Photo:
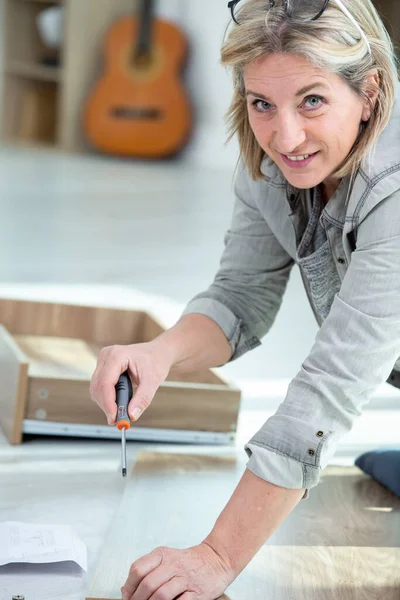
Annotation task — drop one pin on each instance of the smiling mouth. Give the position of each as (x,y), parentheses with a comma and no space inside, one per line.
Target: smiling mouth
(298,157)
(298,161)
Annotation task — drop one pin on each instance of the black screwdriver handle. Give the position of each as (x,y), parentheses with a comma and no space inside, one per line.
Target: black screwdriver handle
(124,393)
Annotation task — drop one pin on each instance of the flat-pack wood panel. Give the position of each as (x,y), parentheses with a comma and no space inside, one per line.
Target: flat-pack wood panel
(60,344)
(97,324)
(340,544)
(14,382)
(57,357)
(175,406)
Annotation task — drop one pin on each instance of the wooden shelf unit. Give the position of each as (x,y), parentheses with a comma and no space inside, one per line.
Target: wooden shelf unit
(43,104)
(33,71)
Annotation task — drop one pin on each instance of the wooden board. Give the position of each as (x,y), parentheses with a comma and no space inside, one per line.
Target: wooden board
(61,357)
(340,544)
(96,324)
(175,405)
(61,343)
(57,357)
(38,113)
(14,381)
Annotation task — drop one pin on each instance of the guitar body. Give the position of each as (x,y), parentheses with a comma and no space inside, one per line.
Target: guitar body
(139,106)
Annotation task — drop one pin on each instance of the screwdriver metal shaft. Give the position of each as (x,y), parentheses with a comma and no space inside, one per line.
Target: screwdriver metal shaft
(123,393)
(123,452)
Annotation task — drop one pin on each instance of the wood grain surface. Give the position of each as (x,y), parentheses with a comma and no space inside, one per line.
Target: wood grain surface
(14,383)
(340,544)
(57,357)
(60,344)
(89,327)
(175,406)
(96,324)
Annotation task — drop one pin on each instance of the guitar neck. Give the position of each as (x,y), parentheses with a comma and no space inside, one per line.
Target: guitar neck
(143,41)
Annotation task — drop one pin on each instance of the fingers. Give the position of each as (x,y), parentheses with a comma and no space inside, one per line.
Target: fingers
(156,586)
(110,365)
(142,398)
(169,591)
(167,573)
(138,571)
(146,368)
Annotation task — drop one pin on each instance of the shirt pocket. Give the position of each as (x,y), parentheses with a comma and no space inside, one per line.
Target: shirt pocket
(322,276)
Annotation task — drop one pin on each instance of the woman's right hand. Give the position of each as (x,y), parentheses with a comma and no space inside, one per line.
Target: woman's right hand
(148,365)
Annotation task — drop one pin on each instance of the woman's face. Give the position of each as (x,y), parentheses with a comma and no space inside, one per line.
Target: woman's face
(305,119)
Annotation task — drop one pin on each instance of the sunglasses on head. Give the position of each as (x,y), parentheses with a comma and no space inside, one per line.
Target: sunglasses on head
(305,10)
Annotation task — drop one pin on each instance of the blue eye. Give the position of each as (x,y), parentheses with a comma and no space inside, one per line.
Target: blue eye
(318,100)
(261,105)
(310,103)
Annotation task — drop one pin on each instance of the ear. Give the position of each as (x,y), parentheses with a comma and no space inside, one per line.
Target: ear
(371,91)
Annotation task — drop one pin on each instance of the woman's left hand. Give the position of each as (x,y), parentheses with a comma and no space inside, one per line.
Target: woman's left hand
(196,573)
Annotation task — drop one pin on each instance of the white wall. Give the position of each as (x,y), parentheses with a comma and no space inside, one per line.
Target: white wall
(209,84)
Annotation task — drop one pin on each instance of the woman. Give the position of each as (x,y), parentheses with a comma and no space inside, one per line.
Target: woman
(318,184)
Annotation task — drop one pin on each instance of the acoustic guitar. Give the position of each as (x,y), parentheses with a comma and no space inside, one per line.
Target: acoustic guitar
(139,107)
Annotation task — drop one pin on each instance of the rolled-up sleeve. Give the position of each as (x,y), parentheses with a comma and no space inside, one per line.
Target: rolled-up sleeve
(354,352)
(247,291)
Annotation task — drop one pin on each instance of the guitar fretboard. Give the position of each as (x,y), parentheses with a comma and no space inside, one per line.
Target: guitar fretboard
(143,41)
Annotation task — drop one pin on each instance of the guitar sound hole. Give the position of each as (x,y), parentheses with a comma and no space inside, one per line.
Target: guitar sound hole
(125,112)
(142,61)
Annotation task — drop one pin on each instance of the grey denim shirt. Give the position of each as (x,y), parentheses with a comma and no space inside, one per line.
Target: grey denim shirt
(352,278)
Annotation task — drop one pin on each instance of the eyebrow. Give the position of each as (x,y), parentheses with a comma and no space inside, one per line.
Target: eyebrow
(301,92)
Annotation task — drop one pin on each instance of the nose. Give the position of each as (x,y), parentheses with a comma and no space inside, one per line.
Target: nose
(289,133)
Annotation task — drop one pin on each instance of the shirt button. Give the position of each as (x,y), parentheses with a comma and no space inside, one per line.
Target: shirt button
(320,433)
(341,261)
(311,452)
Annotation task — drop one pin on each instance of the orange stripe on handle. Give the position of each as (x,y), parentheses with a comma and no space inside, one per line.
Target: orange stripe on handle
(123,424)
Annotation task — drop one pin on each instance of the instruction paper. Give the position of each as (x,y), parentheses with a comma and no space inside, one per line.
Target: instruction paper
(32,543)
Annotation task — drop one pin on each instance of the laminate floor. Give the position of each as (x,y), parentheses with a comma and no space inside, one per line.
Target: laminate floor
(340,544)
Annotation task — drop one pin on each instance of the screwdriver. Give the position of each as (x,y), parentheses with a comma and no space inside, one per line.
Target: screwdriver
(123,392)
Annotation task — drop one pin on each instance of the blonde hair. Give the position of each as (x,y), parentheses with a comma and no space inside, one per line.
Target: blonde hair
(331,43)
